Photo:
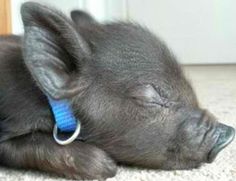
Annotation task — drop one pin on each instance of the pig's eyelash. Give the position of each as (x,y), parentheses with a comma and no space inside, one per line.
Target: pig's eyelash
(161,92)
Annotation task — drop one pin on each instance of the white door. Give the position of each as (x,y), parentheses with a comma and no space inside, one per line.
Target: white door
(198,31)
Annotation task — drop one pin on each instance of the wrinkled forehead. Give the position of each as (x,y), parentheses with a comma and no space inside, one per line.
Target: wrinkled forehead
(129,54)
(131,49)
(132,42)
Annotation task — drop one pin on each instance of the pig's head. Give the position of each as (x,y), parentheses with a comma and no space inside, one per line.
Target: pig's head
(125,86)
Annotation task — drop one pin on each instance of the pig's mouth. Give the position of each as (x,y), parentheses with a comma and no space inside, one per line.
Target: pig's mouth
(226,136)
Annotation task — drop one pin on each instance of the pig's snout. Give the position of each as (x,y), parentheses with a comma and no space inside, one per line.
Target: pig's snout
(225,137)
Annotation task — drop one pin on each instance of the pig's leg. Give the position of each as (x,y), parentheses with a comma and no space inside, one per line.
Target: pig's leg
(11,127)
(39,151)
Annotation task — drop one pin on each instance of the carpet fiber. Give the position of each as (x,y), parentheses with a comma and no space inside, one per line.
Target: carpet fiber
(216,90)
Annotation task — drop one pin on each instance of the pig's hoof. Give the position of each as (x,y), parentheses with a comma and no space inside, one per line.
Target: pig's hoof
(97,165)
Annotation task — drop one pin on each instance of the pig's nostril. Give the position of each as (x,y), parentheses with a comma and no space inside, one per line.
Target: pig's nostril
(226,136)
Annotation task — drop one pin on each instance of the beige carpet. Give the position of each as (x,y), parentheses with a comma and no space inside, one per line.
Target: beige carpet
(216,90)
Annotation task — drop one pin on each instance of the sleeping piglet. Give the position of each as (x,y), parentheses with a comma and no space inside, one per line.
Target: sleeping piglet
(124,85)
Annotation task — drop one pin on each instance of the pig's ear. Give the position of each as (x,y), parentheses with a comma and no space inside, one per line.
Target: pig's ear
(82,19)
(53,50)
(147,95)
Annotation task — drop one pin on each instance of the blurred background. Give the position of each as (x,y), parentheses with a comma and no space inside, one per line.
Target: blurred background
(199,32)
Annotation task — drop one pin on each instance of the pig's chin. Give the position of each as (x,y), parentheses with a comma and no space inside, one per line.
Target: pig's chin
(226,136)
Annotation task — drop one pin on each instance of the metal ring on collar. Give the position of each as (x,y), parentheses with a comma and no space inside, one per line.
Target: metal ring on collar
(70,139)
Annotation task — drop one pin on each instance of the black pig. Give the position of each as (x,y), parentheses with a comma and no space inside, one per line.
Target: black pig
(135,105)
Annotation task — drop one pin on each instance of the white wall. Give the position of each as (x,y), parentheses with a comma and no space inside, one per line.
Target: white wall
(198,31)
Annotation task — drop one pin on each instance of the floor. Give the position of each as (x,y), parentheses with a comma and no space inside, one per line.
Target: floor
(216,89)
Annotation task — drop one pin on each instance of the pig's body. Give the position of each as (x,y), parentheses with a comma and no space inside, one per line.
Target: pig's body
(19,96)
(130,94)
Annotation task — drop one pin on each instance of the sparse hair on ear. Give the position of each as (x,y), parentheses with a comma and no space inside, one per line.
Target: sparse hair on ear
(53,50)
(82,19)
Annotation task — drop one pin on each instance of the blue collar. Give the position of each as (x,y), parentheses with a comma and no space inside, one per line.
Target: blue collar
(63,115)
